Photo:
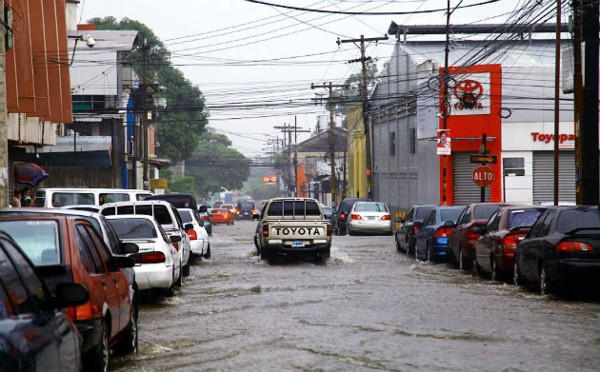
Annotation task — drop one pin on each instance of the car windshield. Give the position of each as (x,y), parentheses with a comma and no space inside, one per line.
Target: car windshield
(523,217)
(421,212)
(484,212)
(578,218)
(38,239)
(133,228)
(450,214)
(370,207)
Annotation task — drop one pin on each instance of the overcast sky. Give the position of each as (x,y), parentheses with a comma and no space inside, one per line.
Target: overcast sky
(267,57)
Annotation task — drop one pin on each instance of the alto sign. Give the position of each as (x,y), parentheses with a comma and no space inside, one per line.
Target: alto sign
(483,176)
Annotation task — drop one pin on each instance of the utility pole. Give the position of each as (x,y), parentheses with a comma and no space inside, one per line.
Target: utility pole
(365,105)
(288,129)
(557,99)
(330,100)
(4,185)
(145,141)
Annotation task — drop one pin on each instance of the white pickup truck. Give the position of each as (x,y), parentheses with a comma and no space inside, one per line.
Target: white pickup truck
(292,227)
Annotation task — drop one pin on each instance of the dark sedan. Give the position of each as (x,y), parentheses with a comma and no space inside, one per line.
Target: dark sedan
(35,335)
(465,234)
(495,249)
(432,238)
(339,218)
(405,234)
(561,251)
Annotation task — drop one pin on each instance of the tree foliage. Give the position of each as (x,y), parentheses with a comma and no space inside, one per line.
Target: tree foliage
(345,98)
(214,165)
(180,125)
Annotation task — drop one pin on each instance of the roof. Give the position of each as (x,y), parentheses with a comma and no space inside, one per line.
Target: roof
(320,142)
(121,40)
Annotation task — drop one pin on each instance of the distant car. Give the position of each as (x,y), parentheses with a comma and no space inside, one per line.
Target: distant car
(69,249)
(561,251)
(369,217)
(179,200)
(246,209)
(232,209)
(431,241)
(327,212)
(157,264)
(34,332)
(405,234)
(222,215)
(463,237)
(218,203)
(198,236)
(495,249)
(339,218)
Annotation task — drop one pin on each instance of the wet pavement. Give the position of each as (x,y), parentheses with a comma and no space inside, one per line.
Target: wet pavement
(369,308)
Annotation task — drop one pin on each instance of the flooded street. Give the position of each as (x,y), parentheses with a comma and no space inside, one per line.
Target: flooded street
(368,308)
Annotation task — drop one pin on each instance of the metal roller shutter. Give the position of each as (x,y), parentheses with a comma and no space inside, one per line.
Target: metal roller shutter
(465,190)
(543,176)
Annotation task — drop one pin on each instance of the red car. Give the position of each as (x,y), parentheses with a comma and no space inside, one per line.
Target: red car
(463,237)
(222,215)
(495,249)
(69,249)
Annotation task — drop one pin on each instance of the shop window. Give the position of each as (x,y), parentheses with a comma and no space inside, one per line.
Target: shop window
(513,166)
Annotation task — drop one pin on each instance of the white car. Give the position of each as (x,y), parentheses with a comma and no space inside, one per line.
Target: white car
(158,265)
(198,235)
(369,217)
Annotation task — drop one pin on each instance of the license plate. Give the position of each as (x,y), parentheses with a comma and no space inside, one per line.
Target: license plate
(297,244)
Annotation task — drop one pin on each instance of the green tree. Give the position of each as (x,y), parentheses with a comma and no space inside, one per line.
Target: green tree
(183,184)
(180,125)
(215,164)
(351,95)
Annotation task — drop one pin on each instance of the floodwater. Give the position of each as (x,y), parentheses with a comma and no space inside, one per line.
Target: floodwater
(369,308)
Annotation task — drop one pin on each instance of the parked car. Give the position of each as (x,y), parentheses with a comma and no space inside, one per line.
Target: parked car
(495,249)
(327,211)
(222,215)
(101,224)
(61,196)
(35,334)
(431,240)
(69,249)
(405,234)
(339,218)
(157,264)
(463,237)
(369,217)
(167,215)
(246,209)
(198,236)
(561,251)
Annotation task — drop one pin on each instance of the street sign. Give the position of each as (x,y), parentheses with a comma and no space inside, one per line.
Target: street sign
(483,176)
(270,179)
(484,159)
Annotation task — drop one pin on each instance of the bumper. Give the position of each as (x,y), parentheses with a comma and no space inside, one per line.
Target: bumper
(197,246)
(288,249)
(150,276)
(380,227)
(576,268)
(90,331)
(439,248)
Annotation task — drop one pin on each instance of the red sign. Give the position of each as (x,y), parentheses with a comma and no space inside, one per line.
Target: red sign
(270,179)
(483,176)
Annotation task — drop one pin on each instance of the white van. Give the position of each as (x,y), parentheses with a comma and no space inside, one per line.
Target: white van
(60,197)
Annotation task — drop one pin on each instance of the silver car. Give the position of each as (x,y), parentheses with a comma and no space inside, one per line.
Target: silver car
(369,218)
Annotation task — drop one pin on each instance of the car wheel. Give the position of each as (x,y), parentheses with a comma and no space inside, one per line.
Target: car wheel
(398,249)
(179,280)
(517,279)
(186,270)
(129,341)
(494,269)
(207,254)
(546,287)
(98,357)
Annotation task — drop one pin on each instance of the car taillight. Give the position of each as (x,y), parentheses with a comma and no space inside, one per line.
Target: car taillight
(72,313)
(415,229)
(253,211)
(266,231)
(329,230)
(509,244)
(355,216)
(342,217)
(442,232)
(176,246)
(472,235)
(192,234)
(386,217)
(574,247)
(152,257)
(83,312)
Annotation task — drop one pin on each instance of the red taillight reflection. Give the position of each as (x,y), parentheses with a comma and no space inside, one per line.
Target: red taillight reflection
(152,257)
(206,218)
(265,231)
(342,217)
(416,229)
(355,216)
(176,246)
(192,234)
(72,313)
(386,217)
(472,235)
(442,232)
(574,247)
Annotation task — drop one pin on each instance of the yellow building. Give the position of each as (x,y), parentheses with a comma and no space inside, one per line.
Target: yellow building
(357,159)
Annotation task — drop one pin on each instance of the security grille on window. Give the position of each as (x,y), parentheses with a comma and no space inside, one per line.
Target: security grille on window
(514,166)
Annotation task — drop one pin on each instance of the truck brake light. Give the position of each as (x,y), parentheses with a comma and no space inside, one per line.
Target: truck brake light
(265,231)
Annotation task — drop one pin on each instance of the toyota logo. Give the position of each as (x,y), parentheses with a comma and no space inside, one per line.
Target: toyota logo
(468,92)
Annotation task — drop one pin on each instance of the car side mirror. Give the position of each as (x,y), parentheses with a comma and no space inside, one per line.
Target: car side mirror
(449,224)
(70,294)
(188,227)
(256,216)
(175,238)
(418,224)
(479,230)
(202,209)
(129,248)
